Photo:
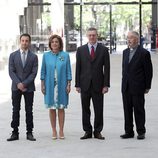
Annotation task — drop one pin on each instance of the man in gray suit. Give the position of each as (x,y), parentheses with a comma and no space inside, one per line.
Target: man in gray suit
(23,66)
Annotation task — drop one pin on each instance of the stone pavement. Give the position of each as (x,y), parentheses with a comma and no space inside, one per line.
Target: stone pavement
(72,146)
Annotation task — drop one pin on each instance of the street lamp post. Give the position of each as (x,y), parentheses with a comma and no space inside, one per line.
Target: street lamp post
(81,22)
(41,25)
(110,27)
(140,19)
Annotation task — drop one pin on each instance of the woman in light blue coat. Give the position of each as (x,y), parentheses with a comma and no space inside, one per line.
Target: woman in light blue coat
(56,82)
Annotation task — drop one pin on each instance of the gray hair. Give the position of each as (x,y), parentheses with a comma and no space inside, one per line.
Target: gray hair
(136,34)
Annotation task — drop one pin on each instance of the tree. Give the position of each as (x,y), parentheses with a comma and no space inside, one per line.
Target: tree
(123,18)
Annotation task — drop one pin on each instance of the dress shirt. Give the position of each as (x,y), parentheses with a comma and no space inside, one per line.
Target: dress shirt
(21,52)
(132,52)
(90,46)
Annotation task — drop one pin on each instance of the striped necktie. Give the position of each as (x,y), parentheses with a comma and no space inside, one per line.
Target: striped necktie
(92,52)
(23,58)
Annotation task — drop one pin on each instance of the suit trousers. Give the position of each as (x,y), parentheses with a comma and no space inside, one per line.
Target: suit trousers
(97,99)
(16,102)
(134,103)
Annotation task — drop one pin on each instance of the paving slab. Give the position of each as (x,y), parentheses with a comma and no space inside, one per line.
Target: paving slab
(72,146)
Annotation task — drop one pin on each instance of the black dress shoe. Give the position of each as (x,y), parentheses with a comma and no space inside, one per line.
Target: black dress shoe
(141,136)
(30,137)
(86,136)
(13,137)
(98,136)
(127,135)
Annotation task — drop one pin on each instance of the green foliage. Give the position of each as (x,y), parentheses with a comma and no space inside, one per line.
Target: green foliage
(124,17)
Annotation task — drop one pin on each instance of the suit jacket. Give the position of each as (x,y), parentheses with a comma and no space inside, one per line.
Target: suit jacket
(24,75)
(136,74)
(96,71)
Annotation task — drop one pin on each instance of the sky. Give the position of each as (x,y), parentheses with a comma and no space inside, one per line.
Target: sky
(9,17)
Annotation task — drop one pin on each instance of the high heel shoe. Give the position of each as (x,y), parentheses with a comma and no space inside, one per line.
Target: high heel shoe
(54,137)
(61,137)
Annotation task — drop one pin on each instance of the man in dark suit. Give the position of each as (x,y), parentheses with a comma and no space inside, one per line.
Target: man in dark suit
(23,66)
(136,81)
(92,81)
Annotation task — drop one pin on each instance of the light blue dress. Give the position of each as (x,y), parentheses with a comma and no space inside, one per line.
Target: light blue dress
(56,72)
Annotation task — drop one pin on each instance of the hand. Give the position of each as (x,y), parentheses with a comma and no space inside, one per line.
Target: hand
(21,87)
(43,89)
(147,91)
(68,88)
(24,90)
(78,89)
(105,90)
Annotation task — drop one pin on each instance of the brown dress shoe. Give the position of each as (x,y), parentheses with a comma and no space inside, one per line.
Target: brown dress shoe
(99,136)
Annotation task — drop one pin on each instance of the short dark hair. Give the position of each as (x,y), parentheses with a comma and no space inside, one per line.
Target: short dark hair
(25,34)
(92,29)
(59,39)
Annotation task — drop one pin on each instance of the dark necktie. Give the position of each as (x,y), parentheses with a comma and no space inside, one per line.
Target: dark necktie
(92,52)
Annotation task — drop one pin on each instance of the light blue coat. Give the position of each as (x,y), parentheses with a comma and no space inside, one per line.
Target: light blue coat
(61,62)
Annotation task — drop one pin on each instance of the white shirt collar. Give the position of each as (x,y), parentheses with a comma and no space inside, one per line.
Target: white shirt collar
(21,51)
(94,45)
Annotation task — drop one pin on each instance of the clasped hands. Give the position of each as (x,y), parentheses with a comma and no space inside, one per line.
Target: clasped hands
(68,89)
(21,87)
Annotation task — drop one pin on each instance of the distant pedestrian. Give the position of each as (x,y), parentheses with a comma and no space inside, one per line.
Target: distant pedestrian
(23,66)
(56,82)
(136,81)
(92,81)
(142,39)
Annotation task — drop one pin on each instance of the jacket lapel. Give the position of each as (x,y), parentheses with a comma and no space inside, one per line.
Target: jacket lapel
(127,57)
(97,51)
(87,53)
(28,58)
(19,58)
(135,56)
